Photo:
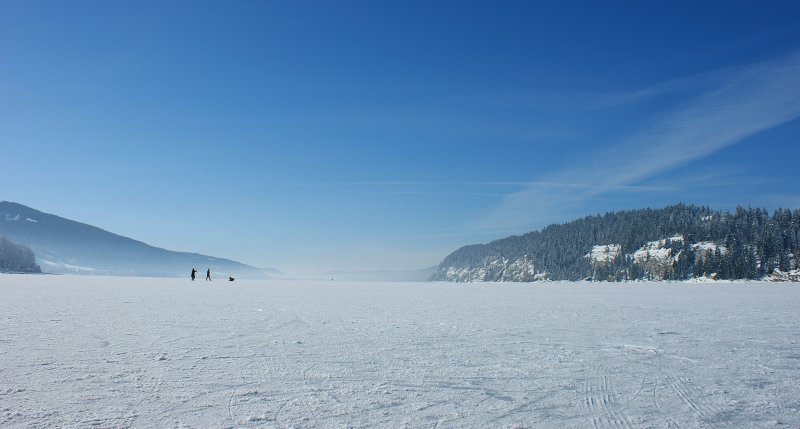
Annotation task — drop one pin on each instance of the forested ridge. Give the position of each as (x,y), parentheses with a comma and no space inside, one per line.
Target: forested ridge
(691,241)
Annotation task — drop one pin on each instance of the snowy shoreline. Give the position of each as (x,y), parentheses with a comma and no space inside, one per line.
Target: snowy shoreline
(81,351)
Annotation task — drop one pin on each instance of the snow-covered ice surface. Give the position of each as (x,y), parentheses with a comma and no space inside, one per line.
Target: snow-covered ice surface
(136,352)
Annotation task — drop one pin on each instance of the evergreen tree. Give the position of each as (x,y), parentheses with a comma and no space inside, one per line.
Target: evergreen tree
(17,258)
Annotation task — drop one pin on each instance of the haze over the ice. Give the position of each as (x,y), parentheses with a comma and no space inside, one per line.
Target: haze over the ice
(373,135)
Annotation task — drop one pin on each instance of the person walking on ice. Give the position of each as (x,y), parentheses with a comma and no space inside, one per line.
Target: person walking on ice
(208,275)
(194,273)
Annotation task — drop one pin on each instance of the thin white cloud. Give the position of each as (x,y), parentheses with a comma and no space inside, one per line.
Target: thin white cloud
(742,103)
(464,194)
(429,184)
(786,201)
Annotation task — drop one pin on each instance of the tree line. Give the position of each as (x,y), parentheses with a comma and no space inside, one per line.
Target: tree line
(17,258)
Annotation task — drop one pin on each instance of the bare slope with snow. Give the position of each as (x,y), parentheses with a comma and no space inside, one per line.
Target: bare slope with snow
(127,352)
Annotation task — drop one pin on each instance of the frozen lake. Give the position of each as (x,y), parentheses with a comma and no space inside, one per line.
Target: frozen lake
(135,352)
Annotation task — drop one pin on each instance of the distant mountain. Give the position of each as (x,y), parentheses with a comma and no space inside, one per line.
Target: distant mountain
(65,246)
(420,275)
(678,242)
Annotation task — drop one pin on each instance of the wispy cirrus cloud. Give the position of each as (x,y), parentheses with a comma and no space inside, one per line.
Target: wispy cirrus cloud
(443,183)
(732,105)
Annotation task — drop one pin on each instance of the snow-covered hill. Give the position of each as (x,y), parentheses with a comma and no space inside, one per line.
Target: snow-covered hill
(64,246)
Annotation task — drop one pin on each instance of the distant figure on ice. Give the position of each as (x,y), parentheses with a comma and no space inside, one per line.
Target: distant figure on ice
(230,279)
(208,275)
(194,274)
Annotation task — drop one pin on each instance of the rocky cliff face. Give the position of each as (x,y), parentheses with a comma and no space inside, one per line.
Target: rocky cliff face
(789,276)
(495,270)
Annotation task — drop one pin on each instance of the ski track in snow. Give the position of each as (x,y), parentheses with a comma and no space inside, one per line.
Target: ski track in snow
(134,352)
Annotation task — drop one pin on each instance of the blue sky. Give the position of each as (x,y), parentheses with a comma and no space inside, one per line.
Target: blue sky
(317,136)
